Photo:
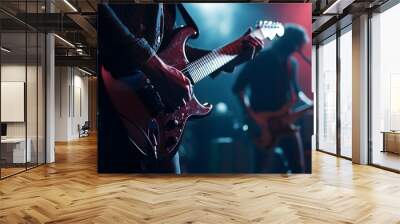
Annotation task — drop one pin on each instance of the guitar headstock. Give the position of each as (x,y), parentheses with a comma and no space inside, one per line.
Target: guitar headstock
(269,30)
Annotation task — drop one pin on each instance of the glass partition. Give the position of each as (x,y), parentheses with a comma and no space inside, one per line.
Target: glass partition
(22,77)
(327,95)
(14,153)
(385,89)
(346,93)
(41,97)
(32,96)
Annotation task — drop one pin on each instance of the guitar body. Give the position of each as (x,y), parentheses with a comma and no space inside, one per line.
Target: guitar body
(266,136)
(275,125)
(158,136)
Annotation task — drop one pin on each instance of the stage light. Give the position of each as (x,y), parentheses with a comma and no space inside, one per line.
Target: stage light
(236,125)
(211,12)
(245,127)
(221,108)
(211,6)
(224,140)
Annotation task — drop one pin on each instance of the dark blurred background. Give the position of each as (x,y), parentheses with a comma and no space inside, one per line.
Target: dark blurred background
(219,143)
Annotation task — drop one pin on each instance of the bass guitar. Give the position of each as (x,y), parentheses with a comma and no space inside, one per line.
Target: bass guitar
(158,136)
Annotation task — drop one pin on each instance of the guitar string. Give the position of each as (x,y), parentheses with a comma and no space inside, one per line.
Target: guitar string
(201,62)
(217,61)
(206,60)
(212,61)
(208,65)
(195,68)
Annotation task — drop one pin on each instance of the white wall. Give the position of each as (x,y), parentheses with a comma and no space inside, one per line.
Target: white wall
(61,103)
(71,102)
(81,104)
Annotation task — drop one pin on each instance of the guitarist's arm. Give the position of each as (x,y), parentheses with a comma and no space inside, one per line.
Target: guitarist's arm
(118,38)
(136,51)
(294,81)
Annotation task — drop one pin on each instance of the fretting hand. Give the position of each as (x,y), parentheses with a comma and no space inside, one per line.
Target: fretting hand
(246,47)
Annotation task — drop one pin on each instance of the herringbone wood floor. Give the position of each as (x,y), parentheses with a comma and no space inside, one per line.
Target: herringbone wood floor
(71,191)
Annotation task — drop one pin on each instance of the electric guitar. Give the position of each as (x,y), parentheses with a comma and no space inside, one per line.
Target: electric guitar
(158,137)
(274,125)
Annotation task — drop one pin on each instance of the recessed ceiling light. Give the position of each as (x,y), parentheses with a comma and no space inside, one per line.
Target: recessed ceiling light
(5,49)
(64,40)
(84,71)
(70,5)
(337,7)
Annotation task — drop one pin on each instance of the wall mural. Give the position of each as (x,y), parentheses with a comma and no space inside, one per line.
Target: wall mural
(160,63)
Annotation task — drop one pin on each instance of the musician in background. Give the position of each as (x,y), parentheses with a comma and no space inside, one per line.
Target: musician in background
(130,37)
(272,81)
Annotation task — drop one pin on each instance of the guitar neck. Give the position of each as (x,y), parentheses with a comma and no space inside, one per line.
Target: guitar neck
(206,65)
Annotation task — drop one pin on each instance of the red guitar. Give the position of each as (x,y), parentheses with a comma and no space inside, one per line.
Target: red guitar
(158,137)
(271,126)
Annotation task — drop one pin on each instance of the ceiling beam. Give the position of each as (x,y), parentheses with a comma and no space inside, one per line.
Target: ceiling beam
(81,61)
(337,7)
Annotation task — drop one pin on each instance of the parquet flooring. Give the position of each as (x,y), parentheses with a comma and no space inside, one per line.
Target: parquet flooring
(71,191)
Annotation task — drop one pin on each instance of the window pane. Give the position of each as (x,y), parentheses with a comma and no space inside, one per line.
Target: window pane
(327,96)
(346,94)
(385,84)
(31,97)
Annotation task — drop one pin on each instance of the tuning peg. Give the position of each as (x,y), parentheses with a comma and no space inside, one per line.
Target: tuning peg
(259,23)
(280,30)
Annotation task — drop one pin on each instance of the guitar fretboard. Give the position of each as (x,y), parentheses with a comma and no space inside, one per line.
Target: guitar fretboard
(204,66)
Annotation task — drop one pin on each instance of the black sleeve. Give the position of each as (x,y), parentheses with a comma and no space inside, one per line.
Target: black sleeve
(242,80)
(115,40)
(294,76)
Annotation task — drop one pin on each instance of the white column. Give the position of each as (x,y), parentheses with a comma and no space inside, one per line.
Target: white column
(50,93)
(360,90)
(50,99)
